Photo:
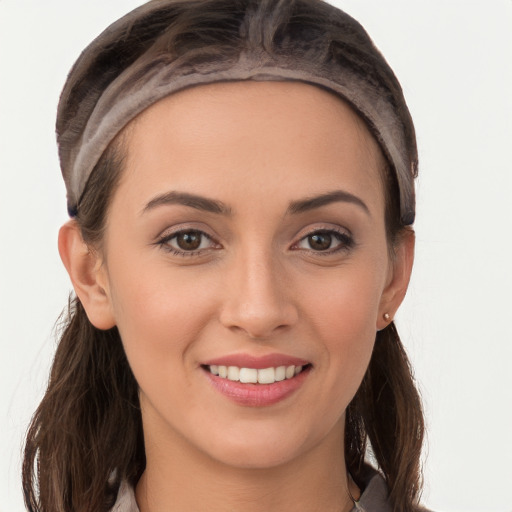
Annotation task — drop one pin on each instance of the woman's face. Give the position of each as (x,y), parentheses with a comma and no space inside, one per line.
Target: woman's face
(248,232)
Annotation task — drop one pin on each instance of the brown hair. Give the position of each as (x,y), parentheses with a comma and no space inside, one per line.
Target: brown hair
(86,435)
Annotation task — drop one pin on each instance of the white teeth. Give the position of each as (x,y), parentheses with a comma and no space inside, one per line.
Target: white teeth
(267,376)
(233,373)
(249,375)
(280,373)
(253,376)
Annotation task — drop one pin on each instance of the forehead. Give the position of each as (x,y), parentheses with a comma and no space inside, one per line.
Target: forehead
(283,100)
(257,131)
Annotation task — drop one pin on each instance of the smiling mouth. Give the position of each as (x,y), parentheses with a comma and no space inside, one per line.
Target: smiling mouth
(269,375)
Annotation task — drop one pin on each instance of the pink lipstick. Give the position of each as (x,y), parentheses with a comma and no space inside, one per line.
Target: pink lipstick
(256,381)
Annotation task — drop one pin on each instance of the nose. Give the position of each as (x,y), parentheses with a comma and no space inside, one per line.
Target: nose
(258,299)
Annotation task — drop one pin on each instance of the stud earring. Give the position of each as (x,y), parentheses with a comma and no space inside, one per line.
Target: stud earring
(386,317)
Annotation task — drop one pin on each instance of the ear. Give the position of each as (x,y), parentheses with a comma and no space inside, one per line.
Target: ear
(88,275)
(399,277)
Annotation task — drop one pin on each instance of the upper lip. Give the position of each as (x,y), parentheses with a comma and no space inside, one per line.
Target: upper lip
(256,362)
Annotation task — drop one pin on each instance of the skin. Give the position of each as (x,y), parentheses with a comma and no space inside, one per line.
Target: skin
(256,285)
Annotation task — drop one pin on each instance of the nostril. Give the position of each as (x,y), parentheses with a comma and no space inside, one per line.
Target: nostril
(259,332)
(258,321)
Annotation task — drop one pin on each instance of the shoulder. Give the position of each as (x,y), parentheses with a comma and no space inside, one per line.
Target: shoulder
(375,496)
(125,499)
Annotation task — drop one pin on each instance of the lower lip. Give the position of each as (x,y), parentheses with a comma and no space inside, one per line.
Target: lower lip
(257,395)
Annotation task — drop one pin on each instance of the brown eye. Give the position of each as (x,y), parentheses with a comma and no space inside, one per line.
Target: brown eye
(320,241)
(189,240)
(328,241)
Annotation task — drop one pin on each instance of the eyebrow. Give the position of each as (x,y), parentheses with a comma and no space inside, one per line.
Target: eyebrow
(218,207)
(191,200)
(335,196)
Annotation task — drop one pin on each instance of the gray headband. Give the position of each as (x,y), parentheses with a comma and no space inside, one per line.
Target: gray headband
(147,81)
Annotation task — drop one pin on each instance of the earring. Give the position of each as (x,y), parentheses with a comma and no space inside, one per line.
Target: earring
(386,317)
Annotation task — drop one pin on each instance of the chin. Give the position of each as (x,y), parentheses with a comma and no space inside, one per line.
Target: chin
(260,448)
(255,457)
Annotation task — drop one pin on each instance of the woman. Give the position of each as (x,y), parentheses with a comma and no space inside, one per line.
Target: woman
(240,181)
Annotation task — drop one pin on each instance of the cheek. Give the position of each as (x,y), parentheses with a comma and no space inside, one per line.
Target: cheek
(160,315)
(343,314)
(344,304)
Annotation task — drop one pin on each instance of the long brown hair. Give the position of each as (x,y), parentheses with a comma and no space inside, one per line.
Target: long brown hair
(86,435)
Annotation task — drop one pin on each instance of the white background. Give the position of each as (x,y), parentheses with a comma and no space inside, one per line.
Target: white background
(454,60)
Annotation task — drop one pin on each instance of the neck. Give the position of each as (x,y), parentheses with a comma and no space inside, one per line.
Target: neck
(179,479)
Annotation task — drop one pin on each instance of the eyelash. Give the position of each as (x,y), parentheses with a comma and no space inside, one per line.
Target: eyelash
(346,242)
(164,243)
